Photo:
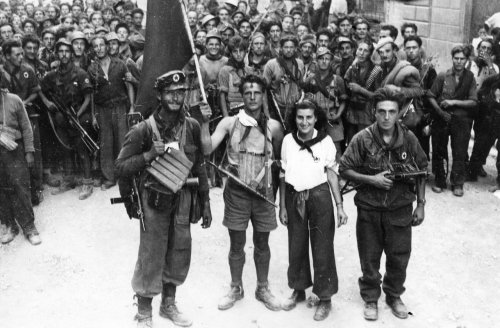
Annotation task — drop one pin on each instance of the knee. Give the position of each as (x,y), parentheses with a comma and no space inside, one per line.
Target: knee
(261,242)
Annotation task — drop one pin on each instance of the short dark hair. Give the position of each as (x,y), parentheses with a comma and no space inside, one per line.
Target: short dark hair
(275,23)
(460,48)
(7,24)
(415,38)
(252,78)
(8,45)
(236,42)
(307,103)
(29,20)
(490,41)
(387,94)
(198,31)
(406,25)
(30,38)
(324,31)
(95,37)
(137,11)
(393,31)
(122,24)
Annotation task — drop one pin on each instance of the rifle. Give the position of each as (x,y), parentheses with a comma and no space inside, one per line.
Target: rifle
(242,184)
(394,176)
(70,115)
(278,111)
(134,201)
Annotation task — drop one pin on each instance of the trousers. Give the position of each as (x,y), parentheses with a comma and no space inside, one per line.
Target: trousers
(488,133)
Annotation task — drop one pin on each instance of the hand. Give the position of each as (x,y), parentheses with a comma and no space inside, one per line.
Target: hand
(51,106)
(354,87)
(332,115)
(7,143)
(128,77)
(447,103)
(206,215)
(95,124)
(157,149)
(341,216)
(445,116)
(393,88)
(206,112)
(418,215)
(381,182)
(283,216)
(30,159)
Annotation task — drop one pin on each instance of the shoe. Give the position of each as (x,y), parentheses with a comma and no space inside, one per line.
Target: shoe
(482,173)
(169,310)
(264,295)
(34,238)
(397,306)
(107,185)
(144,320)
(235,294)
(97,182)
(437,189)
(9,235)
(370,311)
(85,191)
(495,188)
(51,180)
(296,297)
(65,186)
(458,191)
(323,310)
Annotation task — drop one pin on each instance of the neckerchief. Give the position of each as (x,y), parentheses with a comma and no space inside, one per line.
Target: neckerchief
(257,66)
(307,144)
(387,68)
(464,82)
(170,129)
(216,57)
(417,62)
(323,84)
(290,74)
(239,67)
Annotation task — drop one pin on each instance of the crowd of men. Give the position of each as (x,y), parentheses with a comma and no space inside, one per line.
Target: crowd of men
(324,96)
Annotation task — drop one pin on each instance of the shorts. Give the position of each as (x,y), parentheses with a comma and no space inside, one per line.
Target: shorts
(241,206)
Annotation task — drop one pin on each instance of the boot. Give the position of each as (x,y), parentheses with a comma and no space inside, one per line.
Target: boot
(9,235)
(296,297)
(323,310)
(370,311)
(235,294)
(169,310)
(86,189)
(50,180)
(65,186)
(397,306)
(144,314)
(263,294)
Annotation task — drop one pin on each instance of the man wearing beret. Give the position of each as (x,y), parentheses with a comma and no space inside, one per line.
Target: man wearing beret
(165,242)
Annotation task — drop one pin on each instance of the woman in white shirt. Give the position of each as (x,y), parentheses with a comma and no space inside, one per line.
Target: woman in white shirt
(309,177)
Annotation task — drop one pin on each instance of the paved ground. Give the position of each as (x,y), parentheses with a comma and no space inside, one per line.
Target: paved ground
(80,275)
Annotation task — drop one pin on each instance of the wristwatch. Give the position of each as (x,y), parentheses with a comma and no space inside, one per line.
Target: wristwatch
(421,201)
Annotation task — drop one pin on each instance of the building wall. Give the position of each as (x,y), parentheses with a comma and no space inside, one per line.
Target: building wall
(441,24)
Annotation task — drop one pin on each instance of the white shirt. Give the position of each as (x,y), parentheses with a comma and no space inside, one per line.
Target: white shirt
(303,171)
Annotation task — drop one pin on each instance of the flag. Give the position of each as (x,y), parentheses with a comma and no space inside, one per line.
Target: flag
(167,48)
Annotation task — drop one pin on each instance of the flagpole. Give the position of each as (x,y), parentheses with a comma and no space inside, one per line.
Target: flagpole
(193,49)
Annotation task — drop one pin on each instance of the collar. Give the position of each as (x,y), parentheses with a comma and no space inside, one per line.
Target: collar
(390,66)
(69,67)
(315,134)
(397,138)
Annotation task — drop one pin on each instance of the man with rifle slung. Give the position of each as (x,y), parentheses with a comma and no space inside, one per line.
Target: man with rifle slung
(253,139)
(165,239)
(385,216)
(68,89)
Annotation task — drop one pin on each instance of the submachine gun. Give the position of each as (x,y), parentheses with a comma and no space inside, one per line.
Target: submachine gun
(394,176)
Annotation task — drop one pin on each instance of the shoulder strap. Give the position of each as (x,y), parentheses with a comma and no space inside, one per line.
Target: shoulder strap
(152,123)
(228,144)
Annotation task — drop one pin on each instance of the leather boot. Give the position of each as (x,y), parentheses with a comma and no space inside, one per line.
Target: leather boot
(9,235)
(323,310)
(296,297)
(235,294)
(169,310)
(397,306)
(370,311)
(144,314)
(263,294)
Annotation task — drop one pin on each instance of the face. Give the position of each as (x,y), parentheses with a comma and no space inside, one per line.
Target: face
(122,34)
(120,11)
(64,10)
(137,19)
(20,10)
(201,37)
(100,48)
(384,34)
(459,60)
(192,4)
(305,120)
(213,46)
(288,49)
(275,33)
(226,35)
(31,50)
(107,15)
(16,56)
(408,32)
(29,28)
(112,25)
(114,47)
(48,40)
(242,7)
(211,24)
(482,33)
(258,46)
(128,19)
(323,41)
(324,62)
(200,8)
(237,18)
(82,22)
(192,18)
(386,114)
(301,30)
(39,16)
(47,24)
(363,52)
(76,11)
(89,33)
(51,12)
(173,99)
(306,50)
(252,4)
(223,15)
(253,96)
(412,49)
(64,54)
(245,30)
(30,9)
(8,11)
(6,32)
(287,24)
(297,20)
(386,53)
(16,21)
(485,49)
(68,21)
(3,18)
(79,47)
(361,31)
(345,50)
(97,20)
(238,55)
